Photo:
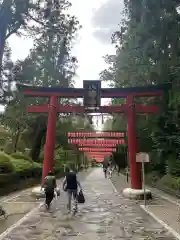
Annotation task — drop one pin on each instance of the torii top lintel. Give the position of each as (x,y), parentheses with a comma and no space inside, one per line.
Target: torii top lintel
(153,90)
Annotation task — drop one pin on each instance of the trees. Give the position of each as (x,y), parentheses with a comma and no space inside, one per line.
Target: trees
(49,63)
(147,52)
(13,16)
(45,19)
(146,43)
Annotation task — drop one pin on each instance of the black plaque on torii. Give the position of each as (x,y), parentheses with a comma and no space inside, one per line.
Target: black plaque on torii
(92,96)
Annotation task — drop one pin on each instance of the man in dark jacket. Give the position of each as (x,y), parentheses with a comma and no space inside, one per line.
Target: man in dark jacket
(105,168)
(71,184)
(49,187)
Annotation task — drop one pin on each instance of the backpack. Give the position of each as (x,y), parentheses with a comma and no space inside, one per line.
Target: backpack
(49,182)
(71,180)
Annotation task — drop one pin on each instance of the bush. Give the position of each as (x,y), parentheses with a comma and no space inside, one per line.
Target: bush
(6,165)
(152,177)
(58,163)
(8,147)
(6,178)
(170,182)
(21,165)
(37,170)
(41,157)
(173,166)
(25,169)
(19,155)
(37,165)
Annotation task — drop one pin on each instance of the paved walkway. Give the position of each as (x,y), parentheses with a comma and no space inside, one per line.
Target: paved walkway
(105,215)
(163,206)
(20,203)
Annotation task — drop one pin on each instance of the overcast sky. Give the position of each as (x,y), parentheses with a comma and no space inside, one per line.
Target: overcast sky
(99,19)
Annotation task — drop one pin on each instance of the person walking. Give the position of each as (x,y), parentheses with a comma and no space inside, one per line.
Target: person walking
(49,188)
(105,168)
(109,168)
(70,185)
(127,174)
(118,170)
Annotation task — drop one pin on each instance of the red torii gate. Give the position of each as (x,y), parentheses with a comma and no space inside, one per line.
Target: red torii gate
(85,149)
(108,145)
(100,154)
(98,157)
(129,108)
(104,134)
(96,141)
(100,147)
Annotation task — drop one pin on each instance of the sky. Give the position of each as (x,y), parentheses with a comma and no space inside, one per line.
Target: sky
(99,19)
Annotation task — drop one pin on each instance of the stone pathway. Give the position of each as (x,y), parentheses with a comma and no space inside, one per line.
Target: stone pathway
(163,206)
(105,215)
(18,204)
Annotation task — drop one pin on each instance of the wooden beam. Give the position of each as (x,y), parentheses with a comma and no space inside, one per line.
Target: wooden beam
(104,109)
(152,90)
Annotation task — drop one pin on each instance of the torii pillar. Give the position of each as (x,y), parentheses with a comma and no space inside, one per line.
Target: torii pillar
(49,147)
(50,138)
(135,168)
(136,191)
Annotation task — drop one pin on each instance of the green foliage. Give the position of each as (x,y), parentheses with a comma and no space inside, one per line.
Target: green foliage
(8,147)
(147,53)
(152,177)
(170,182)
(66,158)
(6,165)
(173,166)
(50,63)
(19,155)
(15,17)
(11,163)
(41,157)
(117,123)
(21,165)
(37,165)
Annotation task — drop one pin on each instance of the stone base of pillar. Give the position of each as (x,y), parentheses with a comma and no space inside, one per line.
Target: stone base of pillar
(137,194)
(38,192)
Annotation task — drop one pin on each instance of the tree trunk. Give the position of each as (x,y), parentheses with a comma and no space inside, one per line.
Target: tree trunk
(4,21)
(16,140)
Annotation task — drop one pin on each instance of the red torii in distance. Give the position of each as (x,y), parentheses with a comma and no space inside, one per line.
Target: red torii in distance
(98,146)
(109,142)
(99,160)
(96,141)
(99,156)
(99,153)
(109,145)
(103,134)
(85,149)
(100,150)
(130,108)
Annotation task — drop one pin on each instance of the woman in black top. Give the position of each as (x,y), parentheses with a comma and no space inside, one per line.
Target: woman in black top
(71,184)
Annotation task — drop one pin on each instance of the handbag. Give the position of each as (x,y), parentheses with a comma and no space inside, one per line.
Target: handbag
(65,188)
(81,198)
